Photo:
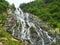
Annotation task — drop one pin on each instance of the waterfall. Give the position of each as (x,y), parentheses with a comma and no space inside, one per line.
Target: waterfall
(28,30)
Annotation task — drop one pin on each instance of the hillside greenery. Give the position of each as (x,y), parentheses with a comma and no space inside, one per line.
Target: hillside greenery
(5,37)
(47,11)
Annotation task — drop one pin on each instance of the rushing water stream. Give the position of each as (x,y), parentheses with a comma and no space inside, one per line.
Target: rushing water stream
(28,29)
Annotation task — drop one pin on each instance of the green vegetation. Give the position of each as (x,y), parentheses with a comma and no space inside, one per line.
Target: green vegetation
(47,11)
(3,6)
(3,11)
(5,37)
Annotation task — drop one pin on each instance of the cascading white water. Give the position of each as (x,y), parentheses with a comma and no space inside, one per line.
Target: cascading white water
(38,37)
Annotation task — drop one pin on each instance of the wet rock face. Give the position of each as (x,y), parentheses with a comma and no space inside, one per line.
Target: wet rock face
(28,28)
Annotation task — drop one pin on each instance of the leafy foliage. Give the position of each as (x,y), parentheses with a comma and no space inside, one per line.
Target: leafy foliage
(3,6)
(47,10)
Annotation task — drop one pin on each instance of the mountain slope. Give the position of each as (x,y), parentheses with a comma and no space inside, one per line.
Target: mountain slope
(48,11)
(5,37)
